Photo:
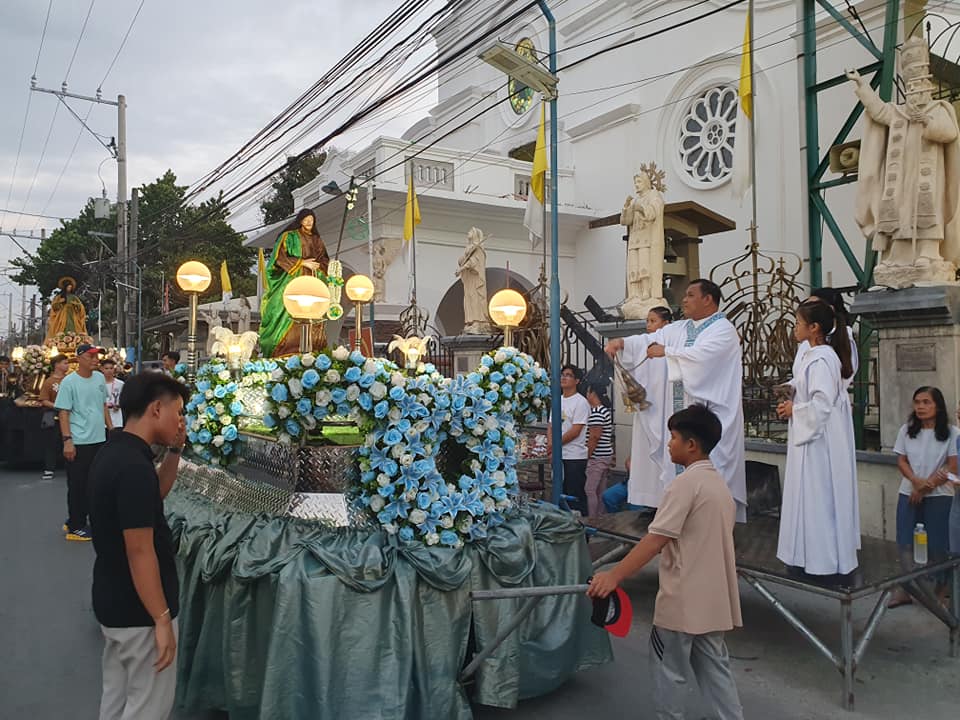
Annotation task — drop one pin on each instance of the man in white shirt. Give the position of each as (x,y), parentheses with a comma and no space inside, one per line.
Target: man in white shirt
(575,411)
(704,365)
(114,385)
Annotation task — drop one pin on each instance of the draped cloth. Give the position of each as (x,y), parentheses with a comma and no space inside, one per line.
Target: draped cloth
(283,618)
(286,263)
(67,314)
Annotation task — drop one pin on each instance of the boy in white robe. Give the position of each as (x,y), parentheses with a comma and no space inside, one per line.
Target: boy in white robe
(704,364)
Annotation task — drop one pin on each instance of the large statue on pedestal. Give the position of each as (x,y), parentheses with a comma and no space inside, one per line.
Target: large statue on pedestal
(643,216)
(298,249)
(67,314)
(472,271)
(909,177)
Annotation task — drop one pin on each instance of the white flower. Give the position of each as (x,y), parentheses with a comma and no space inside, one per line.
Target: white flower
(378,390)
(411,494)
(224,374)
(447,522)
(427,450)
(197,425)
(322,397)
(397,380)
(499,477)
(537,402)
(277,374)
(296,388)
(197,448)
(383,479)
(451,488)
(225,419)
(421,426)
(341,353)
(506,406)
(492,423)
(488,504)
(418,517)
(406,460)
(218,440)
(500,357)
(475,465)
(397,451)
(495,387)
(369,440)
(455,432)
(309,421)
(395,414)
(353,392)
(483,369)
(283,412)
(391,528)
(370,366)
(431,538)
(478,430)
(268,406)
(332,377)
(308,360)
(201,408)
(377,503)
(208,394)
(503,504)
(220,408)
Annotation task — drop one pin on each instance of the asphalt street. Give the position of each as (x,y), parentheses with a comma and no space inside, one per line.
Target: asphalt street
(50,665)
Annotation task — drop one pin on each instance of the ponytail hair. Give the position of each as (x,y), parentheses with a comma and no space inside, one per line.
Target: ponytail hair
(834,330)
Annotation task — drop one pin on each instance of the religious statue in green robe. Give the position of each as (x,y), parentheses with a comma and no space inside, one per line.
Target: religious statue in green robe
(298,249)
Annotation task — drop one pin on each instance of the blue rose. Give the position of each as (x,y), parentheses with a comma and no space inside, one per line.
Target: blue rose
(211,412)
(310,379)
(352,374)
(510,369)
(323,362)
(423,501)
(386,490)
(365,401)
(293,362)
(204,436)
(475,377)
(406,534)
(320,412)
(496,377)
(236,407)
(304,406)
(230,433)
(249,367)
(357,358)
(507,391)
(338,395)
(226,448)
(404,425)
(279,393)
(203,385)
(220,392)
(486,361)
(381,409)
(192,436)
(390,467)
(500,493)
(397,393)
(344,409)
(269,422)
(429,368)
(231,387)
(293,427)
(366,380)
(492,396)
(448,537)
(368,476)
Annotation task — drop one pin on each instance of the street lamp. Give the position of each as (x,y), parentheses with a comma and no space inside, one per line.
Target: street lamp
(507,309)
(306,298)
(359,289)
(193,277)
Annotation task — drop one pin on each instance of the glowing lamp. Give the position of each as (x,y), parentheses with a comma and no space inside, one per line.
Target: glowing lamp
(193,277)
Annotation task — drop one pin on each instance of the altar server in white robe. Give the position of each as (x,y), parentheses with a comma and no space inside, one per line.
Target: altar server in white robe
(650,466)
(820,516)
(834,299)
(704,365)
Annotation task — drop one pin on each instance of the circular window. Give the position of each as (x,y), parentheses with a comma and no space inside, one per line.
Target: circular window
(707,135)
(521,96)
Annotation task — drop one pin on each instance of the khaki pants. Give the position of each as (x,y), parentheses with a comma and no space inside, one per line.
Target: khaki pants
(132,688)
(598,468)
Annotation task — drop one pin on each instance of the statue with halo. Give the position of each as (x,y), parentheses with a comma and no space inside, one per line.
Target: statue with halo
(643,216)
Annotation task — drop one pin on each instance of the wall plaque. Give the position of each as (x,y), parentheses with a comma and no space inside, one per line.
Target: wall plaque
(917,357)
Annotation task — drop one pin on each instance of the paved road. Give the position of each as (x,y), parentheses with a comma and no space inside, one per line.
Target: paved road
(49,668)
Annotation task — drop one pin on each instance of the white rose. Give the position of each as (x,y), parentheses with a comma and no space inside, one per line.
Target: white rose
(418,517)
(310,421)
(370,366)
(478,430)
(323,397)
(376,503)
(277,374)
(483,370)
(201,408)
(421,426)
(332,376)
(268,407)
(225,419)
(341,353)
(447,522)
(488,504)
(451,488)
(537,402)
(411,494)
(503,504)
(219,408)
(353,392)
(465,524)
(369,440)
(492,423)
(495,387)
(197,425)
(397,380)
(455,432)
(397,451)
(218,440)
(224,374)
(296,388)
(378,390)
(406,460)
(197,448)
(506,407)
(427,450)
(500,357)
(395,414)
(383,479)
(431,538)
(474,465)
(208,394)
(499,477)
(391,528)
(283,412)
(308,360)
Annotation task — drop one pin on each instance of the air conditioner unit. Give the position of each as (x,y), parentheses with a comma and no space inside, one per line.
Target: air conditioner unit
(845,159)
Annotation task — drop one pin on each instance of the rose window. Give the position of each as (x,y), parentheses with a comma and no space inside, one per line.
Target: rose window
(707,135)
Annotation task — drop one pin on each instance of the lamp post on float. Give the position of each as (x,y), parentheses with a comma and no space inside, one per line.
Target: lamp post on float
(193,277)
(507,309)
(306,298)
(359,289)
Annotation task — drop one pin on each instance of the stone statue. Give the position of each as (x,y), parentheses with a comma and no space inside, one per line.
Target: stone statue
(643,216)
(909,170)
(472,271)
(379,272)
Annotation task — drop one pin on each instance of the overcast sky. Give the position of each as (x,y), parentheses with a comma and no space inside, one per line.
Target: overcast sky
(200,79)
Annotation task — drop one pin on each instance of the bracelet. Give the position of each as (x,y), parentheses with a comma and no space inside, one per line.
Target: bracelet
(68,437)
(175,450)
(159,617)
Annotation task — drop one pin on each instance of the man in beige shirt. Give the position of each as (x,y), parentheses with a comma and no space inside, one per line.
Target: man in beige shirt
(698,599)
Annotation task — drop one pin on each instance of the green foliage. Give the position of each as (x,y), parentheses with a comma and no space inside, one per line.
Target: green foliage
(279,204)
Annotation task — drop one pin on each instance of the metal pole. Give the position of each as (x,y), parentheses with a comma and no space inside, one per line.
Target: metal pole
(878,611)
(357,345)
(131,270)
(139,316)
(505,631)
(521,592)
(556,461)
(192,338)
(370,189)
(846,648)
(122,216)
(23,313)
(306,332)
(753,148)
(10,316)
(812,139)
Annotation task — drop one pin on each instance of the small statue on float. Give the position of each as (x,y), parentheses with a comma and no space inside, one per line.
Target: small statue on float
(67,313)
(643,216)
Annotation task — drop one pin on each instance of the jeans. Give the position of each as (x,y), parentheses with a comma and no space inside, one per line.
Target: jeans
(934,513)
(575,481)
(615,499)
(78,486)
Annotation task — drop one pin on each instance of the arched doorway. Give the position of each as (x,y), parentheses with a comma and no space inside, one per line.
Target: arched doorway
(449,315)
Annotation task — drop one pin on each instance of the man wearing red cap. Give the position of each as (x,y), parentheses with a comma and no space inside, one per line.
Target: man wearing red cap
(84,421)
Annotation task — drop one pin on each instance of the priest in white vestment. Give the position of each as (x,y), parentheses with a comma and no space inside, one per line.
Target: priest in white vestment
(820,513)
(704,365)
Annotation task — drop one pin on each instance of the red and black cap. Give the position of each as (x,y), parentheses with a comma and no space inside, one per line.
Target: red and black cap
(614,613)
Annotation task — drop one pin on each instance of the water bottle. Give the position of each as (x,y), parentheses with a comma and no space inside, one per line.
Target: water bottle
(920,545)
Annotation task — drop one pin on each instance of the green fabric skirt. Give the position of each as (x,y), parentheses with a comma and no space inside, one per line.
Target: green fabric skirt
(285,619)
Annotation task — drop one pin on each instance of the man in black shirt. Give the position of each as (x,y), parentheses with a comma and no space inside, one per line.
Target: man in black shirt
(135,586)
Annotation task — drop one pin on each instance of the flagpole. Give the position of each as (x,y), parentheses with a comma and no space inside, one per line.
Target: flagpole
(413,243)
(753,136)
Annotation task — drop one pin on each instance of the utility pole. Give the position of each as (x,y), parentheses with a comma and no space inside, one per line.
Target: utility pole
(33,315)
(129,270)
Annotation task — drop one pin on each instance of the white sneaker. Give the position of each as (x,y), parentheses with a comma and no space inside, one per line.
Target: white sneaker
(47,475)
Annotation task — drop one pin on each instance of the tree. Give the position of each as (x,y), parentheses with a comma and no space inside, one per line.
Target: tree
(297,173)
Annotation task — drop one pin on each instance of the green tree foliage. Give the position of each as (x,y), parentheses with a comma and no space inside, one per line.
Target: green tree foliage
(170,232)
(279,204)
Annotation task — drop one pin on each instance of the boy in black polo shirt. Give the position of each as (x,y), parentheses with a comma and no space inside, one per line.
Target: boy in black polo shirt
(135,586)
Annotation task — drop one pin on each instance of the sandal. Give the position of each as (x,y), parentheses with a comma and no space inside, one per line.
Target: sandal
(899,598)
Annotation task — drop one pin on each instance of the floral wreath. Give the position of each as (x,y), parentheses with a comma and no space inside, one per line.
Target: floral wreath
(405,423)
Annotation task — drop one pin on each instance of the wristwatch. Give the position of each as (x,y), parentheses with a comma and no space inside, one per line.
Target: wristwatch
(68,437)
(175,450)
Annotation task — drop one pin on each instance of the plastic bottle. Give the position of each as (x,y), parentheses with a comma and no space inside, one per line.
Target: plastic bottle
(920,545)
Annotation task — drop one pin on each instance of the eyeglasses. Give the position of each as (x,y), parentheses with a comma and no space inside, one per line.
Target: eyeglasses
(568,375)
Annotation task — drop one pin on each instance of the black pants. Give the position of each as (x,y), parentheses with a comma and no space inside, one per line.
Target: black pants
(52,447)
(575,482)
(78,488)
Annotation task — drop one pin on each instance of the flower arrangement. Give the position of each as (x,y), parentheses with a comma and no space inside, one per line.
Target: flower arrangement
(34,361)
(514,382)
(67,342)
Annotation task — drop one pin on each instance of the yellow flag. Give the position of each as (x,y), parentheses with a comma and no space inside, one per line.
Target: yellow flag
(533,214)
(742,178)
(746,80)
(411,215)
(225,282)
(262,268)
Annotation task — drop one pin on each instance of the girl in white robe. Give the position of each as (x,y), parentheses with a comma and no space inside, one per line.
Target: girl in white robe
(835,300)
(820,516)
